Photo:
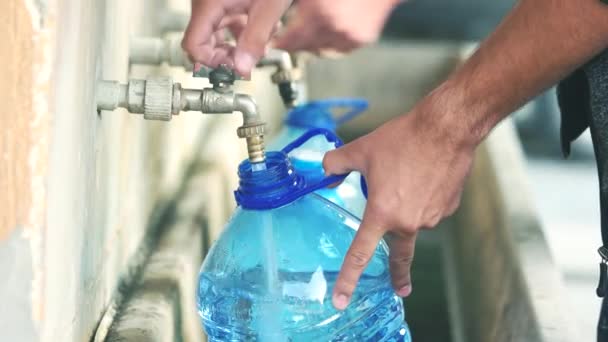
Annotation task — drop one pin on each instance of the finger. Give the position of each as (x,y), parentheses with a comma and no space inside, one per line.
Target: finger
(334,47)
(262,19)
(219,37)
(335,185)
(299,35)
(223,54)
(343,160)
(358,256)
(198,42)
(209,51)
(400,260)
(235,24)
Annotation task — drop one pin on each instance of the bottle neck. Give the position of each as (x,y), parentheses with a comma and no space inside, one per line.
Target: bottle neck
(270,188)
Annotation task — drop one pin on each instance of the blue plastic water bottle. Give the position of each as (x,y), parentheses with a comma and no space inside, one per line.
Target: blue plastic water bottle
(270,275)
(308,159)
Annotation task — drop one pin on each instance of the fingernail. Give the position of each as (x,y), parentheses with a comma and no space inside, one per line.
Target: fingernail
(405,291)
(244,62)
(341,302)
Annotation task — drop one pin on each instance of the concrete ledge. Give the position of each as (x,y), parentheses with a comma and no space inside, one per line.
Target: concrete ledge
(503,283)
(155,319)
(160,306)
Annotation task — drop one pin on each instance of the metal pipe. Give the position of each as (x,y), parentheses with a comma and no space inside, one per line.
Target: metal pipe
(246,105)
(158,98)
(191,100)
(279,58)
(155,51)
(111,95)
(173,21)
(286,75)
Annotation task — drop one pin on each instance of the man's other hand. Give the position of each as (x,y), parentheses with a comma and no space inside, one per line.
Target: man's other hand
(252,22)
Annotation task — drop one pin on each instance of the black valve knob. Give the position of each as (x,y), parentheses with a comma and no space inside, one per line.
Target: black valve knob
(289,93)
(221,76)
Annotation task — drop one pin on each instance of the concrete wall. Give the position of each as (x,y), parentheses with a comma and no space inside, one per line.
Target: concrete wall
(392,76)
(82,191)
(504,284)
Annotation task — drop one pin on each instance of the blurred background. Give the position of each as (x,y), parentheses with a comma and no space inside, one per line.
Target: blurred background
(106,217)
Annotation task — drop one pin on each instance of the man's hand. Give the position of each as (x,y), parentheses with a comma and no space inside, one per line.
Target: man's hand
(416,164)
(415,171)
(251,21)
(338,25)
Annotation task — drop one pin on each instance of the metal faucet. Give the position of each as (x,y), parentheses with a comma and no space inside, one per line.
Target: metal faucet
(155,51)
(158,98)
(287,76)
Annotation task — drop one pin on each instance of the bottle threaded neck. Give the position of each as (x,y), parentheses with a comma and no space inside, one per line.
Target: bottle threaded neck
(268,188)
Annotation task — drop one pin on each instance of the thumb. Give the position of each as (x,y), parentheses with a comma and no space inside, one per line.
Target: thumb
(342,160)
(299,34)
(261,22)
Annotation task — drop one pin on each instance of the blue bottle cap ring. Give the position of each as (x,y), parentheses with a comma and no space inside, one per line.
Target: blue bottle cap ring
(279,184)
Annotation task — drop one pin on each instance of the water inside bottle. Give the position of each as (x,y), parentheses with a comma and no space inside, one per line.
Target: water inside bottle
(309,295)
(270,309)
(258,166)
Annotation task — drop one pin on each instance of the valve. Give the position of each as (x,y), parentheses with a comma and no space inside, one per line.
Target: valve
(286,76)
(159,98)
(155,51)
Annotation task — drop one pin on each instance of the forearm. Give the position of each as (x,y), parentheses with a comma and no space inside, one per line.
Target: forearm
(539,43)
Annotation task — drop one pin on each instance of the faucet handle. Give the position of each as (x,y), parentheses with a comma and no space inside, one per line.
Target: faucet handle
(202,72)
(222,76)
(219,77)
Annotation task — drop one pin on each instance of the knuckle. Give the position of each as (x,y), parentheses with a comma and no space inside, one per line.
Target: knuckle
(401,260)
(187,44)
(358,259)
(378,210)
(432,219)
(410,227)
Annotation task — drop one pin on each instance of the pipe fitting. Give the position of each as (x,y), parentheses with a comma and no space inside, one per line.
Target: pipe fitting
(253,128)
(158,98)
(156,51)
(172,20)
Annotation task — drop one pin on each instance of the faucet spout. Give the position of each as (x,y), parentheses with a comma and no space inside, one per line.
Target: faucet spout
(158,98)
(222,98)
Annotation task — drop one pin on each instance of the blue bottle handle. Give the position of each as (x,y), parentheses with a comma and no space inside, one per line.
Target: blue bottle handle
(363,186)
(330,137)
(357,106)
(326,181)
